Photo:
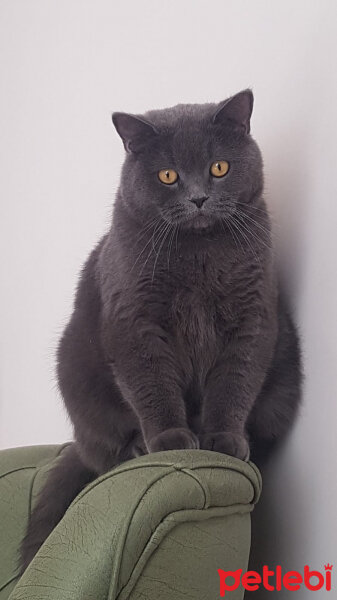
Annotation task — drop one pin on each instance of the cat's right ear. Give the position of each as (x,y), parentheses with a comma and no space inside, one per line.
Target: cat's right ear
(134,130)
(237,110)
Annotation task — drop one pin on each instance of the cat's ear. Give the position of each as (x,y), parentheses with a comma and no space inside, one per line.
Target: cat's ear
(134,130)
(237,109)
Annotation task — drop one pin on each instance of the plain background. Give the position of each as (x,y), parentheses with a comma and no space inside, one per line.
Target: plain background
(65,65)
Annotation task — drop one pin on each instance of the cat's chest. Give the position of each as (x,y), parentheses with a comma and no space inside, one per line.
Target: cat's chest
(200,310)
(194,317)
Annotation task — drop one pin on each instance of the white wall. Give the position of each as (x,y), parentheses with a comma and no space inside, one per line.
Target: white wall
(65,65)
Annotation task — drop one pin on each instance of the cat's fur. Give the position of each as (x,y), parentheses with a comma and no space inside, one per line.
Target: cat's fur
(180,336)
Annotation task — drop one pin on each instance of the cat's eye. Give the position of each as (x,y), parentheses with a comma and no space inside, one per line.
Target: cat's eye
(168,176)
(219,168)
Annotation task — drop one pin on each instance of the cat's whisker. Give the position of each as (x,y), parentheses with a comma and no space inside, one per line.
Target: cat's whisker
(159,225)
(239,233)
(164,236)
(245,237)
(159,236)
(234,235)
(251,232)
(148,226)
(264,212)
(152,249)
(251,207)
(177,234)
(170,246)
(266,231)
(166,214)
(156,236)
(224,220)
(153,223)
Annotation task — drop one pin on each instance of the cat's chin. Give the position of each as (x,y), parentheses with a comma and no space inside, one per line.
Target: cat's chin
(199,222)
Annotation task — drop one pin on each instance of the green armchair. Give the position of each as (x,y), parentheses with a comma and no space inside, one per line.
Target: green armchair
(159,526)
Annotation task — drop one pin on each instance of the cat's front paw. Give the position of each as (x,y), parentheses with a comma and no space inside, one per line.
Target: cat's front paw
(177,438)
(226,442)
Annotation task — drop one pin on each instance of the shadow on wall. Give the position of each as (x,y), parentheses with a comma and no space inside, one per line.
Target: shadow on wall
(279,519)
(287,169)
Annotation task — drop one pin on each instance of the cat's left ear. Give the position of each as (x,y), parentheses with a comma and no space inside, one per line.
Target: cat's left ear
(134,130)
(237,109)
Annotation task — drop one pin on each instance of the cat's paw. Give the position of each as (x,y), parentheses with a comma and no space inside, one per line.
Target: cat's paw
(226,442)
(177,438)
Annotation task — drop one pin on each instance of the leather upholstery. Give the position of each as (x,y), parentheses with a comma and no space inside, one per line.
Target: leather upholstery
(158,526)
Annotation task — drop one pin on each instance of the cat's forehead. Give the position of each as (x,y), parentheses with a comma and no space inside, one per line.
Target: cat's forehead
(181,115)
(189,131)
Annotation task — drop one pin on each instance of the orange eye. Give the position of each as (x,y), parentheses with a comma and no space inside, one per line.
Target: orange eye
(168,176)
(219,168)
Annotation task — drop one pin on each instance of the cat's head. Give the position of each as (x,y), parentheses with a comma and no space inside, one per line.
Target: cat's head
(190,164)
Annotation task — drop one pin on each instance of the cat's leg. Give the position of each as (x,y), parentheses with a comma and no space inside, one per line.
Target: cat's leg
(106,431)
(152,381)
(277,404)
(232,386)
(226,406)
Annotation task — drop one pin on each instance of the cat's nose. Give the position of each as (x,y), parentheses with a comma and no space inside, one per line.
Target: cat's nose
(199,201)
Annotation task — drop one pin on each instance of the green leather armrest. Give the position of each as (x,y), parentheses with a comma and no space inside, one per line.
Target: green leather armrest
(156,527)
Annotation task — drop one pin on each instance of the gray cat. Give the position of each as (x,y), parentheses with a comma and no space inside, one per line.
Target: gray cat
(180,336)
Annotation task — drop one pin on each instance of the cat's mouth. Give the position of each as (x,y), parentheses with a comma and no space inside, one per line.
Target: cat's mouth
(198,220)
